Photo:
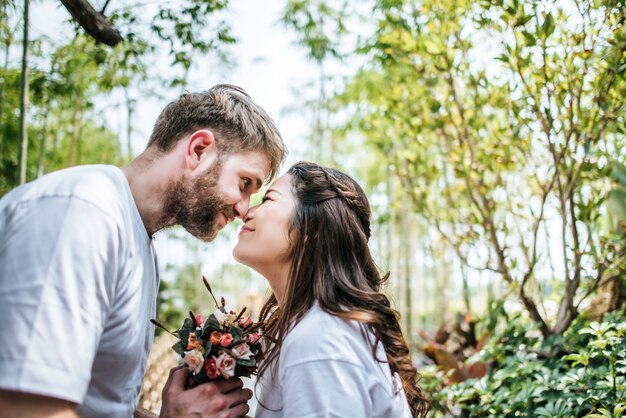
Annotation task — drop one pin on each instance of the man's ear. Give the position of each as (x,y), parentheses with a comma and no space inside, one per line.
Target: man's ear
(200,148)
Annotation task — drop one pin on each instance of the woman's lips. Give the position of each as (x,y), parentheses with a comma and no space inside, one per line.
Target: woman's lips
(245,229)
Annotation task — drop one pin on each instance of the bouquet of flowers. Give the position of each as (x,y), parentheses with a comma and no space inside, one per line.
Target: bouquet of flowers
(224,345)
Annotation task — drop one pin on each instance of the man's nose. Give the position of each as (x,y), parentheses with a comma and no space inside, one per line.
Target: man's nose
(241,208)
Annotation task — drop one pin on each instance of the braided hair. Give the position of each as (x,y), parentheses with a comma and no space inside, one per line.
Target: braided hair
(332,265)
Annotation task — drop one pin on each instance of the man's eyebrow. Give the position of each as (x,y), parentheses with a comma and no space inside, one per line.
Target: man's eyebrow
(272,190)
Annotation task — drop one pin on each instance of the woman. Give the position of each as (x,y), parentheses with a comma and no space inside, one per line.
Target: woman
(337,349)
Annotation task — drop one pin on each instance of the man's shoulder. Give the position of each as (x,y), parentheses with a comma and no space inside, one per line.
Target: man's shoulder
(98,188)
(88,182)
(100,185)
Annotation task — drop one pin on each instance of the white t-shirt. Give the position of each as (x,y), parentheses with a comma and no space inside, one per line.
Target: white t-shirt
(326,369)
(78,283)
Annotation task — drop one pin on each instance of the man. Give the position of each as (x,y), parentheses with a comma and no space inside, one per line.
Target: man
(78,273)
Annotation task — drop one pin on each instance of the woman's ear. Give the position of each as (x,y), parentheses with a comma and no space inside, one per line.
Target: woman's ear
(200,148)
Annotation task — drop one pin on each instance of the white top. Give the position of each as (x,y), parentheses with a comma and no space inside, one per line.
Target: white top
(326,369)
(78,283)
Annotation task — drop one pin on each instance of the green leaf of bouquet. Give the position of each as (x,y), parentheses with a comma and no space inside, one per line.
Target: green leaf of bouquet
(179,348)
(212,323)
(188,325)
(237,333)
(246,362)
(183,334)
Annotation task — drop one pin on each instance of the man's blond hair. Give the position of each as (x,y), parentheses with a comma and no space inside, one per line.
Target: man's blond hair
(238,124)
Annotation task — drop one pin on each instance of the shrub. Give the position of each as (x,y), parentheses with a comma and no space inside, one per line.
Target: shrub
(579,374)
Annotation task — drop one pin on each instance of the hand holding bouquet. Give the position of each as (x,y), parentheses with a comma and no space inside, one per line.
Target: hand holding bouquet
(224,345)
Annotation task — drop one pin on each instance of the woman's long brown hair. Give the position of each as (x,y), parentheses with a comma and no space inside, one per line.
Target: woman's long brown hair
(332,265)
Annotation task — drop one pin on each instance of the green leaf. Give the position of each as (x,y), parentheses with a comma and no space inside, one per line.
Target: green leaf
(246,362)
(179,348)
(237,333)
(618,173)
(183,334)
(188,325)
(548,25)
(530,38)
(522,20)
(578,359)
(616,204)
(211,324)
(434,47)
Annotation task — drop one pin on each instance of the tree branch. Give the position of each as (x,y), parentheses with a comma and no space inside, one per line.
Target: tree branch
(94,23)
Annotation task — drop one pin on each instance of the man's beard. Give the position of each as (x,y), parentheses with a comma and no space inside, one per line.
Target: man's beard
(195,204)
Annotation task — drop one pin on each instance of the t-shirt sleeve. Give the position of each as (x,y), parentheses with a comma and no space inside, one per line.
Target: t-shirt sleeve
(325,389)
(58,263)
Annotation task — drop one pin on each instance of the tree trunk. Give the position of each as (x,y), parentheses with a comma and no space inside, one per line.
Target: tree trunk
(405,245)
(466,289)
(129,127)
(94,23)
(75,131)
(389,229)
(42,143)
(44,130)
(23,135)
(5,67)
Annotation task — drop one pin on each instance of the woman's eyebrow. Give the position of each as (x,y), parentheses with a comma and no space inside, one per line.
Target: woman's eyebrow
(272,190)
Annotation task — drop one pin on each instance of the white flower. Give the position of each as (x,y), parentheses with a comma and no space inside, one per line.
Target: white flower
(242,351)
(220,316)
(194,361)
(231,318)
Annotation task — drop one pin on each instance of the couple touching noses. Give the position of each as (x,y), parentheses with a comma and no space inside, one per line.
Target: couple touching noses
(79,278)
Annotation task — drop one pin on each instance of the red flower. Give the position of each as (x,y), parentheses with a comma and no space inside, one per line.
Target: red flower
(211,367)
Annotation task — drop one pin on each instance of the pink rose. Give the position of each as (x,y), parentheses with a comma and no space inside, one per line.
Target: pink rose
(244,322)
(199,321)
(254,337)
(226,340)
(211,367)
(194,361)
(242,351)
(226,365)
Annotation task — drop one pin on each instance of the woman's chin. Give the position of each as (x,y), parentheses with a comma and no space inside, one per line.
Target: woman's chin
(239,256)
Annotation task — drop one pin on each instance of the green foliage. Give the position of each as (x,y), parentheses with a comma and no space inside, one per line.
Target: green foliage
(68,79)
(616,198)
(499,119)
(311,21)
(580,374)
(191,27)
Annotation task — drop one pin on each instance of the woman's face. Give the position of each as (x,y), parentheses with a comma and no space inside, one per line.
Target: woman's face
(264,238)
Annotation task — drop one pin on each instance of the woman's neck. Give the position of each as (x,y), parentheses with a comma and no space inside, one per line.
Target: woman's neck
(278,277)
